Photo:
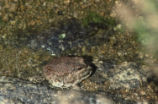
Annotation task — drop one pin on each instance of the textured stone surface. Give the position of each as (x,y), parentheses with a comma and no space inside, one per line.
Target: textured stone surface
(126,75)
(65,37)
(124,82)
(16,91)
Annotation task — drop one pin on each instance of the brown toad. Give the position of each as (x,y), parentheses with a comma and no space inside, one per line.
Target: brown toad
(65,71)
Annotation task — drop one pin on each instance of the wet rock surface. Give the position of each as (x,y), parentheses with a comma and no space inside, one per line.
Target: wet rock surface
(121,82)
(65,37)
(16,91)
(119,90)
(26,46)
(126,75)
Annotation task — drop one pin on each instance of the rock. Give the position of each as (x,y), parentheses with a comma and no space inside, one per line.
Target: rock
(16,91)
(126,75)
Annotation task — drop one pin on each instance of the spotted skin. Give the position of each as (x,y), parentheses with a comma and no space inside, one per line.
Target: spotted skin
(65,71)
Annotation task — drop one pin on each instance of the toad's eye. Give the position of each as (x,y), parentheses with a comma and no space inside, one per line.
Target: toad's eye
(48,69)
(80,66)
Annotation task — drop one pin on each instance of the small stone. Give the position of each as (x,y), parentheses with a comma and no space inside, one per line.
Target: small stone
(127,75)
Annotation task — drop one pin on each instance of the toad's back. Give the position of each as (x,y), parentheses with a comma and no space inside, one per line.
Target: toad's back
(66,71)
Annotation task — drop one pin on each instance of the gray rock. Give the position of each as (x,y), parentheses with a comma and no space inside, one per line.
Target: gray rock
(16,91)
(126,75)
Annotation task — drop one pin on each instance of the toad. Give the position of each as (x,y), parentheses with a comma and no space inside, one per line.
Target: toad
(66,71)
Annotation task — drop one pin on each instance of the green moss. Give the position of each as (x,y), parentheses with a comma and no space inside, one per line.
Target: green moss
(94,18)
(145,34)
(77,1)
(50,0)
(2,23)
